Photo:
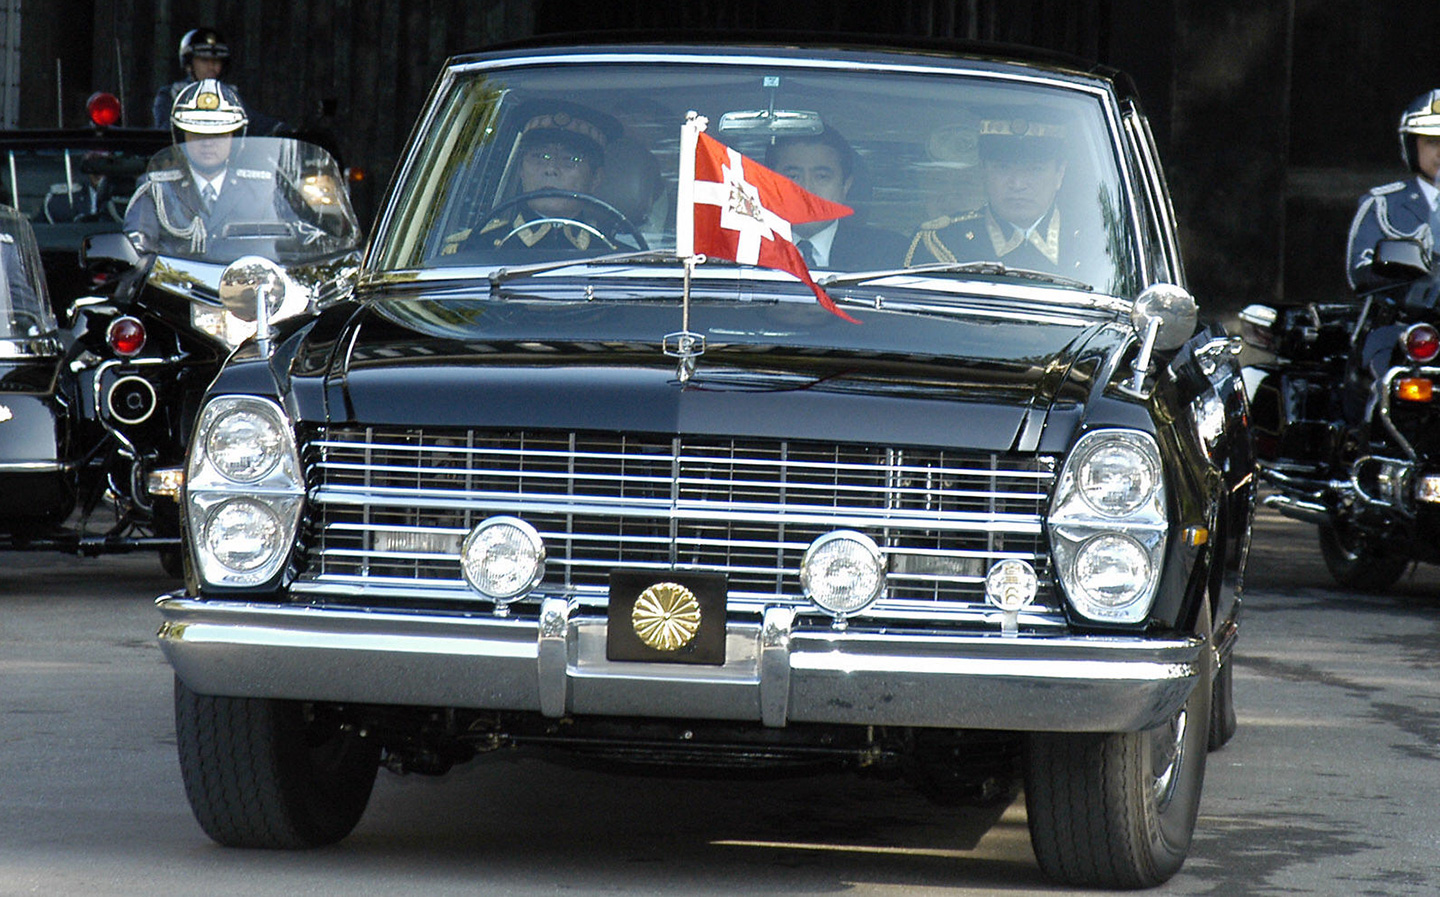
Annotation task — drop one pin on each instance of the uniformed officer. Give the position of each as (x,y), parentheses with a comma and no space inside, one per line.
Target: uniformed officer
(561,148)
(183,210)
(86,199)
(1020,225)
(1404,209)
(205,55)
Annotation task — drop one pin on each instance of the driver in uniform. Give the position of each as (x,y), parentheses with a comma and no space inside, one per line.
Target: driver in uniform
(562,148)
(1022,163)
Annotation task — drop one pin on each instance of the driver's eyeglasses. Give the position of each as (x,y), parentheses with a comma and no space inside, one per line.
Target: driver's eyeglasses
(567,161)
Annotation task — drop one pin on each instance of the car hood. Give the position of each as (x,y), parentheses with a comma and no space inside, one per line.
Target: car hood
(989,380)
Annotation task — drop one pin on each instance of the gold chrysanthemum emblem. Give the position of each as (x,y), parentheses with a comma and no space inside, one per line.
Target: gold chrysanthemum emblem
(207,101)
(666,616)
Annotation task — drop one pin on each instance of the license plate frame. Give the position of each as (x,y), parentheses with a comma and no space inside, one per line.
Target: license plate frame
(672,588)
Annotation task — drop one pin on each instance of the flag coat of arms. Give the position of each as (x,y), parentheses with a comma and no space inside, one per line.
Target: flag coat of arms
(732,207)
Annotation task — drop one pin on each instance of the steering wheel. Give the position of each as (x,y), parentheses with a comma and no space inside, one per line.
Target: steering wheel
(623,224)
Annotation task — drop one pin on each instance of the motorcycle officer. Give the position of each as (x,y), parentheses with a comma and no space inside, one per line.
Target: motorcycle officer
(181,210)
(204,55)
(1403,209)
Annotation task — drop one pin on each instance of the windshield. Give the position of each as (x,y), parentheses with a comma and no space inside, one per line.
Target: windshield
(580,161)
(219,198)
(25,313)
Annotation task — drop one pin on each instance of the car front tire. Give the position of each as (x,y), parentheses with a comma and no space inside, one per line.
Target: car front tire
(272,774)
(1117,810)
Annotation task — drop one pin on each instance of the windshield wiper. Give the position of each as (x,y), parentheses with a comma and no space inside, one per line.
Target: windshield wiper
(649,256)
(954,268)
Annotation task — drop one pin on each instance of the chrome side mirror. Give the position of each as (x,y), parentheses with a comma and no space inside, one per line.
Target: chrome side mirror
(255,289)
(1164,317)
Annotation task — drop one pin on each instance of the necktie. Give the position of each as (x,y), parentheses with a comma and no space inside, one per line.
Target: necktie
(807,252)
(209,196)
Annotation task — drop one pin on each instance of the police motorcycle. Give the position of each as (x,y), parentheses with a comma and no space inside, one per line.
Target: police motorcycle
(1346,417)
(101,462)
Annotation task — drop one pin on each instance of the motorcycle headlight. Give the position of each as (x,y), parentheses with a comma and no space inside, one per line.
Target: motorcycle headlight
(1108,525)
(243,490)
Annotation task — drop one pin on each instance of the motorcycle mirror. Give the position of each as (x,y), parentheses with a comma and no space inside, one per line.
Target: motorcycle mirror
(245,281)
(1172,307)
(1400,259)
(108,254)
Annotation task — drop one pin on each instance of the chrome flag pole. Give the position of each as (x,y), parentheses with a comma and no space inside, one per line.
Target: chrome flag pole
(684,344)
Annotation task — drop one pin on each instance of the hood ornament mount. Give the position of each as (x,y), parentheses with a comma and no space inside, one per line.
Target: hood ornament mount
(684,344)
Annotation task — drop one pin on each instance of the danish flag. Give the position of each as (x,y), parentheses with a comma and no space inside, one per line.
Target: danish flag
(732,207)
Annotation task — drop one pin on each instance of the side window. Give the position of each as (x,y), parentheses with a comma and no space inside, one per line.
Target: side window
(1163,249)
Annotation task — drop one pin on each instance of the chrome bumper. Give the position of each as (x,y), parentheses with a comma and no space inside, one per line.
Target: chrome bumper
(773,673)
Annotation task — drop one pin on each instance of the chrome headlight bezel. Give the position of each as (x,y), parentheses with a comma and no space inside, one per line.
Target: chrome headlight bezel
(271,489)
(1086,508)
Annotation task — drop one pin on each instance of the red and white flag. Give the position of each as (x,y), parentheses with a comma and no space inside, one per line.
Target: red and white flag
(732,207)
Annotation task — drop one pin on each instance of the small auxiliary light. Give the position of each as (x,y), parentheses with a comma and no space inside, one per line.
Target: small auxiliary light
(1421,342)
(1414,389)
(126,336)
(103,109)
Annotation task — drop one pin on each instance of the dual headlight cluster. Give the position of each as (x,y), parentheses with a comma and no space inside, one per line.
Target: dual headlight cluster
(1108,525)
(243,490)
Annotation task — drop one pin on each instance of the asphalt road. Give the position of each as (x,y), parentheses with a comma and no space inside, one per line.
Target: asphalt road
(1330,787)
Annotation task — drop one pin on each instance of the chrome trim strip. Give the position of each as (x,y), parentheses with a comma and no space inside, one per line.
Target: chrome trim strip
(36,466)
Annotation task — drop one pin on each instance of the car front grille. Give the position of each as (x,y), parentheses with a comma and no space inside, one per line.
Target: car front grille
(390,508)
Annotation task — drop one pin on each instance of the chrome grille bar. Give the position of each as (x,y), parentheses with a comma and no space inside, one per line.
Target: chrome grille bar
(394,505)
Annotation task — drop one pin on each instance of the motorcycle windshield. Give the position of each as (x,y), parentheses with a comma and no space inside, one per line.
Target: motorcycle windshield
(216,198)
(27,326)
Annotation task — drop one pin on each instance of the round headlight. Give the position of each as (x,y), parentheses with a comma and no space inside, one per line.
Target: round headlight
(1113,570)
(243,535)
(503,558)
(1117,476)
(244,444)
(843,572)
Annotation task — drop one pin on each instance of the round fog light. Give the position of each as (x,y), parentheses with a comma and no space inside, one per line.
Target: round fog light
(503,558)
(1010,585)
(843,572)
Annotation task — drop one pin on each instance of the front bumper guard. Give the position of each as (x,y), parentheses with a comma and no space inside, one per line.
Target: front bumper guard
(774,673)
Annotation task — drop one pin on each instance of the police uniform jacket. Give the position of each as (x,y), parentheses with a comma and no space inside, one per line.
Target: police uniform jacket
(1393,211)
(167,211)
(979,236)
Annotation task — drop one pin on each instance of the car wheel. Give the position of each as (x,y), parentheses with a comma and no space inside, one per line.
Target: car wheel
(266,773)
(1222,705)
(1356,562)
(172,561)
(1117,810)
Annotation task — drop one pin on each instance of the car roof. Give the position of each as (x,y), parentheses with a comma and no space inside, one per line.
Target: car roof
(860,49)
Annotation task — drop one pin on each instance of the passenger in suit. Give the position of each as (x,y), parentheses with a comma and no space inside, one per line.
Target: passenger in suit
(824,164)
(1404,209)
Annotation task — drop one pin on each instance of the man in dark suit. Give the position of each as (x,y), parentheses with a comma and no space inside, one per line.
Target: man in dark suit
(184,210)
(1405,209)
(824,164)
